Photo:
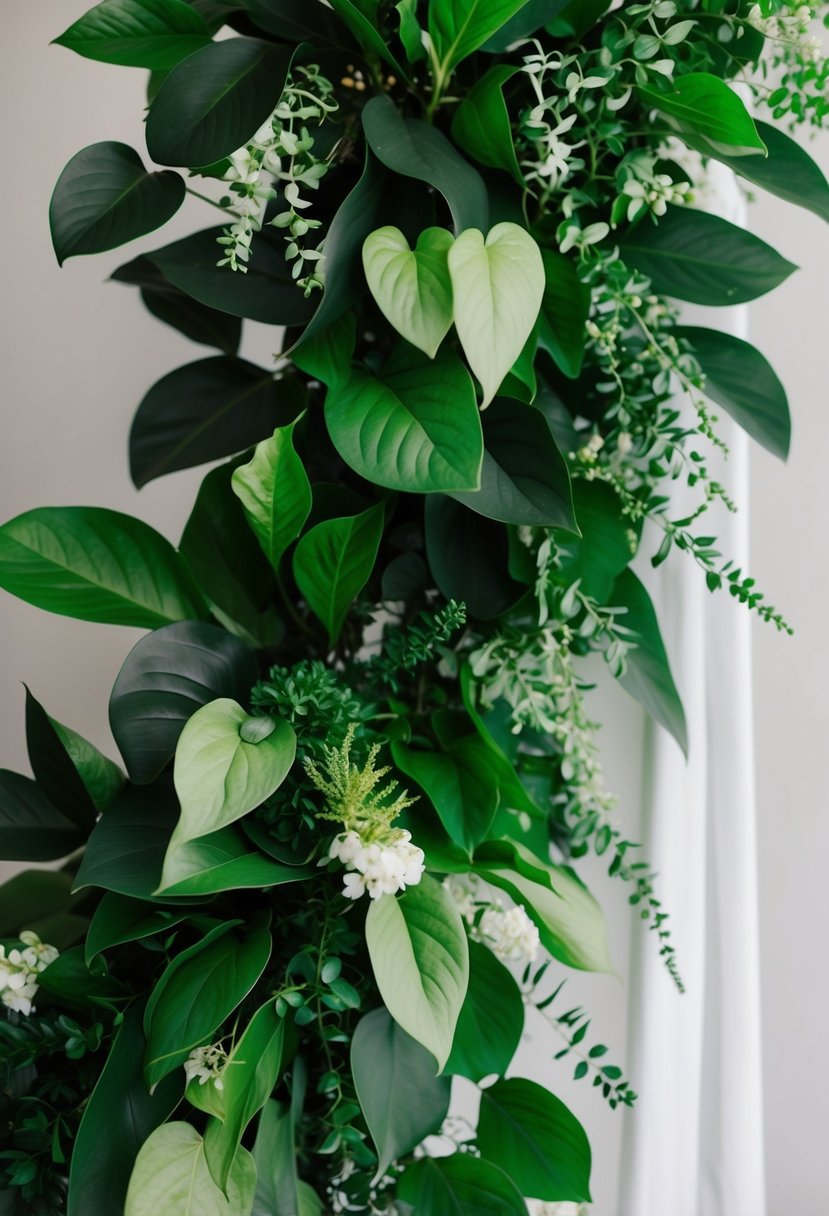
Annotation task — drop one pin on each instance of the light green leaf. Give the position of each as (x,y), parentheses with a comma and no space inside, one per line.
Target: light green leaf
(704,105)
(219,774)
(412,288)
(101,776)
(704,259)
(413,427)
(459,27)
(401,1098)
(420,957)
(275,492)
(171,1178)
(481,125)
(219,862)
(152,34)
(741,380)
(460,1183)
(274,1152)
(98,565)
(333,562)
(498,286)
(529,1132)
(491,1021)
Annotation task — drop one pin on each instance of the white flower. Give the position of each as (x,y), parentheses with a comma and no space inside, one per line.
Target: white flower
(18,971)
(379,868)
(510,935)
(537,1208)
(206,1064)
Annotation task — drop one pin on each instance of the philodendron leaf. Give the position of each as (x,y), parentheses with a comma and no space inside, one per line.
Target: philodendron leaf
(152,34)
(333,562)
(459,1183)
(420,957)
(489,1027)
(741,380)
(412,287)
(459,27)
(215,100)
(171,1178)
(105,197)
(529,1132)
(97,565)
(401,1098)
(703,104)
(166,677)
(275,493)
(414,426)
(498,286)
(227,763)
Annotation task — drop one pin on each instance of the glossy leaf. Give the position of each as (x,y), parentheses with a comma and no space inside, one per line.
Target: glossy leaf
(529,18)
(481,125)
(333,562)
(411,287)
(647,676)
(413,148)
(491,1021)
(214,101)
(564,311)
(275,493)
(53,768)
(31,826)
(119,919)
(200,988)
(218,775)
(267,293)
(102,778)
(604,550)
(117,1119)
(741,380)
(705,105)
(125,851)
(152,34)
(220,862)
(72,983)
(459,27)
(529,1132)
(297,20)
(171,1178)
(166,677)
(469,558)
(443,1186)
(498,286)
(229,565)
(459,783)
(788,172)
(524,477)
(105,197)
(206,410)
(419,955)
(402,1100)
(96,564)
(413,427)
(704,259)
(326,356)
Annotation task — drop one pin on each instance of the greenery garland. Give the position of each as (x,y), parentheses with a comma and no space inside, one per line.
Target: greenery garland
(361,759)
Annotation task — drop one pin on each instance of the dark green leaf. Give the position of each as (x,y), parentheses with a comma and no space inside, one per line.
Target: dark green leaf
(401,1098)
(167,303)
(53,769)
(604,549)
(491,1020)
(105,197)
(702,104)
(415,149)
(119,919)
(704,259)
(459,783)
(740,379)
(206,410)
(460,1183)
(71,982)
(31,827)
(529,18)
(126,850)
(333,562)
(102,778)
(138,33)
(327,355)
(117,1120)
(648,674)
(98,565)
(364,28)
(297,21)
(469,558)
(166,677)
(788,171)
(524,478)
(459,27)
(481,125)
(214,101)
(32,894)
(564,311)
(533,1135)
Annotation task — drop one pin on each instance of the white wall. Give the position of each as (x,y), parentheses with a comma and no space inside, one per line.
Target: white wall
(78,354)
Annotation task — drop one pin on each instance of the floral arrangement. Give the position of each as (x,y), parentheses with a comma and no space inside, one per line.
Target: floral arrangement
(340,868)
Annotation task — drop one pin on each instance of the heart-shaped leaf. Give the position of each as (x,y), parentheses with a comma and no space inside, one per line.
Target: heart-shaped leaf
(215,100)
(414,427)
(275,493)
(153,34)
(166,677)
(498,286)
(105,197)
(333,562)
(460,1183)
(412,287)
(97,565)
(419,954)
(171,1176)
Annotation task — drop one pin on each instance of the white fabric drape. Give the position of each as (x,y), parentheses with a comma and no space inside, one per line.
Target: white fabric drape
(694,1144)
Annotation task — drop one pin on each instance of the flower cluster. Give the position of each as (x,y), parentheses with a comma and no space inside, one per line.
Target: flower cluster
(206,1064)
(646,190)
(789,24)
(380,869)
(19,971)
(508,932)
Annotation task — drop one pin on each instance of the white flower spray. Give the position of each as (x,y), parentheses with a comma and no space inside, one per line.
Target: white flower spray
(19,970)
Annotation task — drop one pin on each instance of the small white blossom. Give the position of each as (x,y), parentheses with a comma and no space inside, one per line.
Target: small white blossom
(379,867)
(510,934)
(19,969)
(538,1208)
(206,1064)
